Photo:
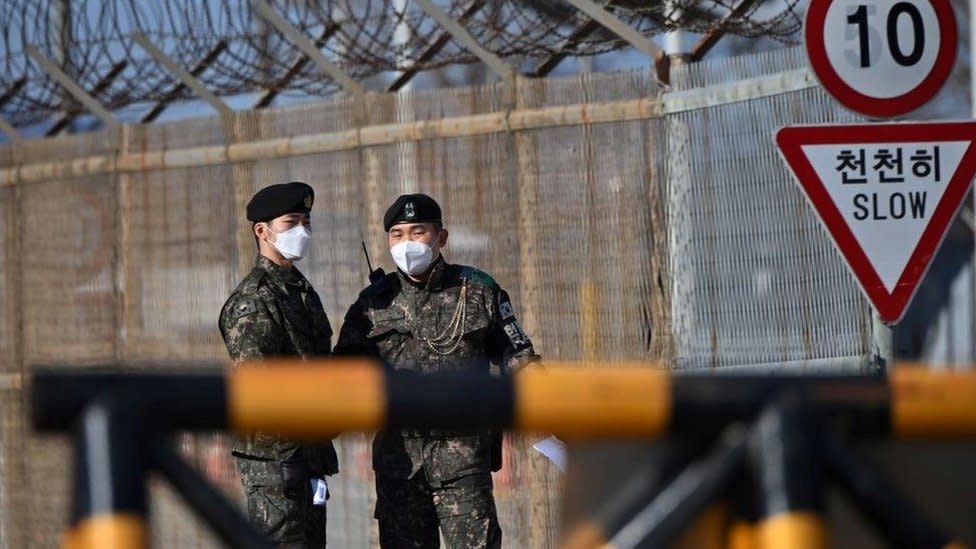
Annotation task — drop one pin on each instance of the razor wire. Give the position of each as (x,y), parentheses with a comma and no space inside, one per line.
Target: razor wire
(91,40)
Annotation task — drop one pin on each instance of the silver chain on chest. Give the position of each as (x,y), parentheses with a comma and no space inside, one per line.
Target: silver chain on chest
(448,341)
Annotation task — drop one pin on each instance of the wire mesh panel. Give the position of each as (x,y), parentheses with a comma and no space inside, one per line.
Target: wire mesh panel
(69,282)
(13,490)
(594,232)
(177,252)
(10,440)
(16,527)
(9,279)
(756,278)
(67,309)
(68,295)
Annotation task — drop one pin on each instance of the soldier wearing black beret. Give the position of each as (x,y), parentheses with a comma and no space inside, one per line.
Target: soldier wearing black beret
(275,312)
(277,200)
(412,208)
(431,316)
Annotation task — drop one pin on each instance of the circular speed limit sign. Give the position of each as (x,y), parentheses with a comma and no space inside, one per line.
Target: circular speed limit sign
(881,58)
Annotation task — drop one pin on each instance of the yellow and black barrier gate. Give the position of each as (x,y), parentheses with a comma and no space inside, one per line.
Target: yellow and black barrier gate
(787,433)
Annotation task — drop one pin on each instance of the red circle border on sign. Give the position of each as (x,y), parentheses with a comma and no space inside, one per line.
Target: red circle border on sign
(891,107)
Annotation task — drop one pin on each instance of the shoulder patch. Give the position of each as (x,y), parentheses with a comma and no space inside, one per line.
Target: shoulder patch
(238,306)
(479,276)
(245,308)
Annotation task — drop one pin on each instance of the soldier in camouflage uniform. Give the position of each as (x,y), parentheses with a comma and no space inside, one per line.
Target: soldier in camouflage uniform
(274,312)
(432,317)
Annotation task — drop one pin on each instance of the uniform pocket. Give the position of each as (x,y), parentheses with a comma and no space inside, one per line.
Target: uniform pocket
(474,326)
(267,506)
(385,322)
(469,496)
(449,458)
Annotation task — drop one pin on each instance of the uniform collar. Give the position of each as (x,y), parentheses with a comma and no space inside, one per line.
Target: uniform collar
(437,280)
(282,276)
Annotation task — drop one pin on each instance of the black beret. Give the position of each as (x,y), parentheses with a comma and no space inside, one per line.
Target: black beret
(277,200)
(412,208)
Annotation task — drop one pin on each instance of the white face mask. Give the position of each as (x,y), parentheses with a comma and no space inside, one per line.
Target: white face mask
(413,258)
(292,243)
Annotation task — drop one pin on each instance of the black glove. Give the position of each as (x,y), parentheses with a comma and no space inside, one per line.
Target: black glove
(377,278)
(322,459)
(295,475)
(495,442)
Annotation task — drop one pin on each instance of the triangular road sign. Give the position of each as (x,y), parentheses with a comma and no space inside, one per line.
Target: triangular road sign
(886,193)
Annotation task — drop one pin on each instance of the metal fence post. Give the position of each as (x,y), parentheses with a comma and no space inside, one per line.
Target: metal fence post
(661,521)
(786,463)
(109,501)
(894,516)
(882,343)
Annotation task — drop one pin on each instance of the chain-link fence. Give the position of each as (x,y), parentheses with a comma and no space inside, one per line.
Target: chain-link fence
(626,222)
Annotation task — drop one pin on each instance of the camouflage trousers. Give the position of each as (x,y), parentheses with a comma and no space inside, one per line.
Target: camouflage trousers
(410,511)
(290,523)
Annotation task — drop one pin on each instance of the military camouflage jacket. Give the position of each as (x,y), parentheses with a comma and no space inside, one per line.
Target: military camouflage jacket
(459,320)
(275,312)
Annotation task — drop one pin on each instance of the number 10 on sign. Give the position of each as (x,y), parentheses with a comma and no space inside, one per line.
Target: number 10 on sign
(882,58)
(867,32)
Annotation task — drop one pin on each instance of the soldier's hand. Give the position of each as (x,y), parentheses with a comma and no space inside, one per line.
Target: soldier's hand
(533,365)
(295,475)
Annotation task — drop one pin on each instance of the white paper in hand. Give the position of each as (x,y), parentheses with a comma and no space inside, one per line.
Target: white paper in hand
(554,449)
(320,491)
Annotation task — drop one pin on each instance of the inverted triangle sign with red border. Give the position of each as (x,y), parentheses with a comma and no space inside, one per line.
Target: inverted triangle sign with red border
(887,194)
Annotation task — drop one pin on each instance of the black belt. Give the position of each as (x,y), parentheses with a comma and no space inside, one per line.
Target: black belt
(437,433)
(242,455)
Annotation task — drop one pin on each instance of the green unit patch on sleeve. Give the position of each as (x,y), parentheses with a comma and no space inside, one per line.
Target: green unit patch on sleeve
(480,277)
